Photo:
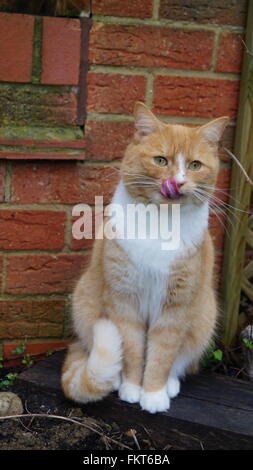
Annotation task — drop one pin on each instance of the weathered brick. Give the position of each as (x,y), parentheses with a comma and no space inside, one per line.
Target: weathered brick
(222,185)
(134,8)
(195,96)
(44,274)
(231,12)
(31,318)
(217,224)
(150,46)
(83,243)
(31,229)
(227,141)
(61,51)
(107,140)
(16,47)
(114,93)
(61,182)
(25,104)
(230,49)
(2,180)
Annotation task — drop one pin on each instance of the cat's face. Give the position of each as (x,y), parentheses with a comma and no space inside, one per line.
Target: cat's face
(168,163)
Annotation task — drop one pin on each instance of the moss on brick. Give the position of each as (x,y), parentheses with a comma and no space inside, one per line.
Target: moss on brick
(37,105)
(47,133)
(36,66)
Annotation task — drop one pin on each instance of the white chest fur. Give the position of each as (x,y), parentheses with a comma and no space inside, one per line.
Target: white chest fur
(151,265)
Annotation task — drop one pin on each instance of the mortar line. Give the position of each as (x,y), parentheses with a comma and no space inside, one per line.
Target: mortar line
(156,8)
(215,50)
(149,90)
(37,50)
(168,71)
(165,23)
(8,177)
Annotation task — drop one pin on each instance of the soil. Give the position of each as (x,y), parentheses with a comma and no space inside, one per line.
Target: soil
(45,433)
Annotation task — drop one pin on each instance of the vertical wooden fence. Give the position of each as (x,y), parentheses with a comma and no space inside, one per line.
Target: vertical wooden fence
(238,273)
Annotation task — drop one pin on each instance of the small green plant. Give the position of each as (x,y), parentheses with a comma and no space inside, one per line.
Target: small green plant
(248,343)
(213,356)
(27,361)
(49,352)
(8,380)
(20,350)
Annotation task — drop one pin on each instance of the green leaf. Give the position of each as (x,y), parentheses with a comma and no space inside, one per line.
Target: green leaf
(218,354)
(4,382)
(248,343)
(19,349)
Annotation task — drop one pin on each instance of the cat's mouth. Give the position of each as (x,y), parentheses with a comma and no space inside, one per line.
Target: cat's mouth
(170,188)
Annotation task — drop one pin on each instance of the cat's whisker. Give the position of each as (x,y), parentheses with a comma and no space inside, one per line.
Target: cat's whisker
(203,199)
(219,190)
(221,204)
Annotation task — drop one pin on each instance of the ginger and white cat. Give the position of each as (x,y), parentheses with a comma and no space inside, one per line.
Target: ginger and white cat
(143,315)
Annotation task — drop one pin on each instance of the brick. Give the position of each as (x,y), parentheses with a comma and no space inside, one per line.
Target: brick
(31,318)
(223,185)
(16,47)
(44,274)
(2,181)
(230,50)
(227,141)
(31,229)
(107,140)
(61,182)
(22,105)
(217,226)
(134,8)
(84,243)
(195,96)
(150,46)
(61,51)
(231,12)
(114,93)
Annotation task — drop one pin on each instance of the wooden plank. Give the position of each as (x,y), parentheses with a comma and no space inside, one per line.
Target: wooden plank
(240,195)
(211,410)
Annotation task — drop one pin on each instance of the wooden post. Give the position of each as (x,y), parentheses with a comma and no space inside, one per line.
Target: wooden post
(234,257)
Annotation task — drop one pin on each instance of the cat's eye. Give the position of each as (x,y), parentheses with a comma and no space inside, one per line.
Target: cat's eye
(194,165)
(161,161)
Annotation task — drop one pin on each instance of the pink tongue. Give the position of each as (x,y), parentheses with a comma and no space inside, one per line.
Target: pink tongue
(169,188)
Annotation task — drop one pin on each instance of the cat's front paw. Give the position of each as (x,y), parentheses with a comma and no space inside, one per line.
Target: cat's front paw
(129,392)
(173,387)
(155,401)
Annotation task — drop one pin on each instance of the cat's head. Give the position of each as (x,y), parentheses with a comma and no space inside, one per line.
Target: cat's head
(168,163)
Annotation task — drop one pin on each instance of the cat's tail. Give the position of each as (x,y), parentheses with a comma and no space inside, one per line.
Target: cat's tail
(90,376)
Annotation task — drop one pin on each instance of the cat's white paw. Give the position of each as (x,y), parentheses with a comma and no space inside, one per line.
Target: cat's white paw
(173,387)
(155,401)
(129,392)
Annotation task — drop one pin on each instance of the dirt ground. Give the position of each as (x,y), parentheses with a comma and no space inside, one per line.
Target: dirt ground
(45,433)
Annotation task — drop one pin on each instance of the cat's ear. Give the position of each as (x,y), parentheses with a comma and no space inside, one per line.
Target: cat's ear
(145,121)
(213,130)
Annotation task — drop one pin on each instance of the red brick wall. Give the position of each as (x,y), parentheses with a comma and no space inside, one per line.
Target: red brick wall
(183,59)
